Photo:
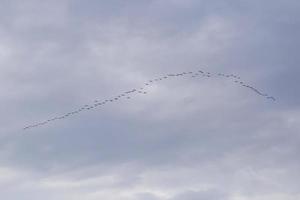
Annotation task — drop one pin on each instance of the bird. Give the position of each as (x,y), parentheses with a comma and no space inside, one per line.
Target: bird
(141,90)
(271,98)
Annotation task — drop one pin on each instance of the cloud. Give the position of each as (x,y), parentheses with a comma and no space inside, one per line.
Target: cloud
(202,195)
(188,138)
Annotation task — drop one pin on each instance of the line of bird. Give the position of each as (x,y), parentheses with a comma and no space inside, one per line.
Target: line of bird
(141,90)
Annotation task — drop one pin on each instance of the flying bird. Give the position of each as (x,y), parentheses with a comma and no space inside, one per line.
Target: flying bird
(129,92)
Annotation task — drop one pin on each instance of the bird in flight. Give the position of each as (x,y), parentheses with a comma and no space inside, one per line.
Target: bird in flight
(128,94)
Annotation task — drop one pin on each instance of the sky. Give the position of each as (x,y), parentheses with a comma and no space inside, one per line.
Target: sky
(186,139)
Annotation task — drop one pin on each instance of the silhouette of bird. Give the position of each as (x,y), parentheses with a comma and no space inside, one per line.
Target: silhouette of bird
(98,103)
(271,98)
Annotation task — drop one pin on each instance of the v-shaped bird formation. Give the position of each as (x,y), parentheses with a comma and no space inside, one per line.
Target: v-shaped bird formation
(143,90)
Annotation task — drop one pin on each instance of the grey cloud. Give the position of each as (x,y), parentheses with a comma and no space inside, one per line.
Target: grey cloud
(185,139)
(201,195)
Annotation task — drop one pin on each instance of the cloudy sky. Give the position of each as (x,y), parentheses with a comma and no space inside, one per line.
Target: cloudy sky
(186,139)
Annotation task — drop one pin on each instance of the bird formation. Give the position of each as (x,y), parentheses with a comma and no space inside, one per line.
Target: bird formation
(142,90)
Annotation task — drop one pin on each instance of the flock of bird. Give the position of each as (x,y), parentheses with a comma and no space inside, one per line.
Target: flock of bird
(141,90)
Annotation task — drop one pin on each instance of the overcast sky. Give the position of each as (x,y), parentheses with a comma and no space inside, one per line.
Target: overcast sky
(186,139)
